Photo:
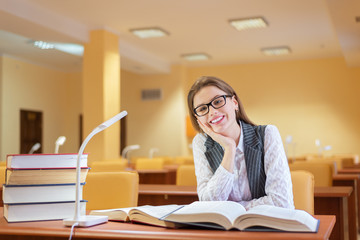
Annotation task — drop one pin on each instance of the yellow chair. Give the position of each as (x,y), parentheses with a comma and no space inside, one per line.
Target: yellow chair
(168,160)
(347,160)
(149,163)
(334,162)
(303,190)
(108,166)
(2,175)
(185,175)
(106,190)
(322,172)
(187,160)
(2,163)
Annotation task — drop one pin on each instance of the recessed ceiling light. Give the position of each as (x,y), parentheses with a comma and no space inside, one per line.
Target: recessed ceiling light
(43,45)
(196,56)
(149,32)
(248,23)
(71,48)
(275,51)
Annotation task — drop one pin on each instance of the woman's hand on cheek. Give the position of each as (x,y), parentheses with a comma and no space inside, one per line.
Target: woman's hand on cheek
(224,141)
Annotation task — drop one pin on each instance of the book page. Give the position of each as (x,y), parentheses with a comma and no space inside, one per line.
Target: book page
(126,210)
(278,217)
(155,211)
(221,212)
(118,214)
(152,214)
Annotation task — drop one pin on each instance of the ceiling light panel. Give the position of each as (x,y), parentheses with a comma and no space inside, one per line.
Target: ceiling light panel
(276,51)
(43,45)
(149,32)
(248,23)
(196,57)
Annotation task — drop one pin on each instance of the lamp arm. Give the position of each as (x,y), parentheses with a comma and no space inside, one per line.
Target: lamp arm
(78,170)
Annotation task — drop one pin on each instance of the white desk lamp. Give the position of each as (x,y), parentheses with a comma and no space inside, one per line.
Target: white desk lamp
(288,141)
(128,149)
(59,142)
(321,148)
(89,220)
(152,151)
(34,148)
(318,144)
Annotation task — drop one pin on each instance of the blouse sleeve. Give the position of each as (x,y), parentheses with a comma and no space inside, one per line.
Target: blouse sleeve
(210,187)
(278,186)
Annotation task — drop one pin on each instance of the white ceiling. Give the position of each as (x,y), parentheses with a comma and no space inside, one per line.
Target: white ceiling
(311,28)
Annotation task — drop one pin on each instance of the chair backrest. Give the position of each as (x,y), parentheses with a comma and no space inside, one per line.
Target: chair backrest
(186,160)
(168,160)
(108,166)
(334,162)
(303,190)
(149,163)
(106,190)
(185,175)
(347,160)
(322,172)
(2,175)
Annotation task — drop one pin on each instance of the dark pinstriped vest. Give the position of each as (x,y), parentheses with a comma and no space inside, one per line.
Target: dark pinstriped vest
(254,157)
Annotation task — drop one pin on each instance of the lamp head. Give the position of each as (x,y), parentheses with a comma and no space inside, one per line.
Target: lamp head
(60,141)
(128,149)
(327,148)
(289,139)
(112,120)
(34,148)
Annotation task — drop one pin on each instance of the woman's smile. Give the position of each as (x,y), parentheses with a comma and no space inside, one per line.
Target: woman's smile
(217,120)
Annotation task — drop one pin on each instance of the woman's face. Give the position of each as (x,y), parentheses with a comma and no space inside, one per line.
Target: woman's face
(219,120)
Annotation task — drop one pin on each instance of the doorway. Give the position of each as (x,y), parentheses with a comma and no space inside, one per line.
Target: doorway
(30,130)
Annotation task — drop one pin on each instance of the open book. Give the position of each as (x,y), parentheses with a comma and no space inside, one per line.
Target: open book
(231,215)
(143,214)
(217,214)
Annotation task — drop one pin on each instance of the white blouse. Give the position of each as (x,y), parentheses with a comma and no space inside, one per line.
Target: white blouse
(223,185)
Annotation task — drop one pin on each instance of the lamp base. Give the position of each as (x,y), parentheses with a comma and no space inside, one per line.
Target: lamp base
(86,221)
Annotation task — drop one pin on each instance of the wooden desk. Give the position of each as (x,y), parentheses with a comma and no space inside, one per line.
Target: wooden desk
(327,201)
(354,165)
(116,230)
(161,194)
(349,178)
(161,176)
(336,201)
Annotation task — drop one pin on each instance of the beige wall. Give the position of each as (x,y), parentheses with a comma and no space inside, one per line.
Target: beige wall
(71,112)
(31,87)
(307,99)
(1,107)
(155,124)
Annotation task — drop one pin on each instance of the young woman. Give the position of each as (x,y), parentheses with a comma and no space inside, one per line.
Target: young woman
(235,159)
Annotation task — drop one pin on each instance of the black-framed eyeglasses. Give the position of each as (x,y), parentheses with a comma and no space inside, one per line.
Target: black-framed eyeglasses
(216,103)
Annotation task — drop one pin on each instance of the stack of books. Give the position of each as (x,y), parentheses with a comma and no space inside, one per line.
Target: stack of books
(42,186)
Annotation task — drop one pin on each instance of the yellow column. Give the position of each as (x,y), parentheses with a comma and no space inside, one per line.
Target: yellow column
(101,94)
